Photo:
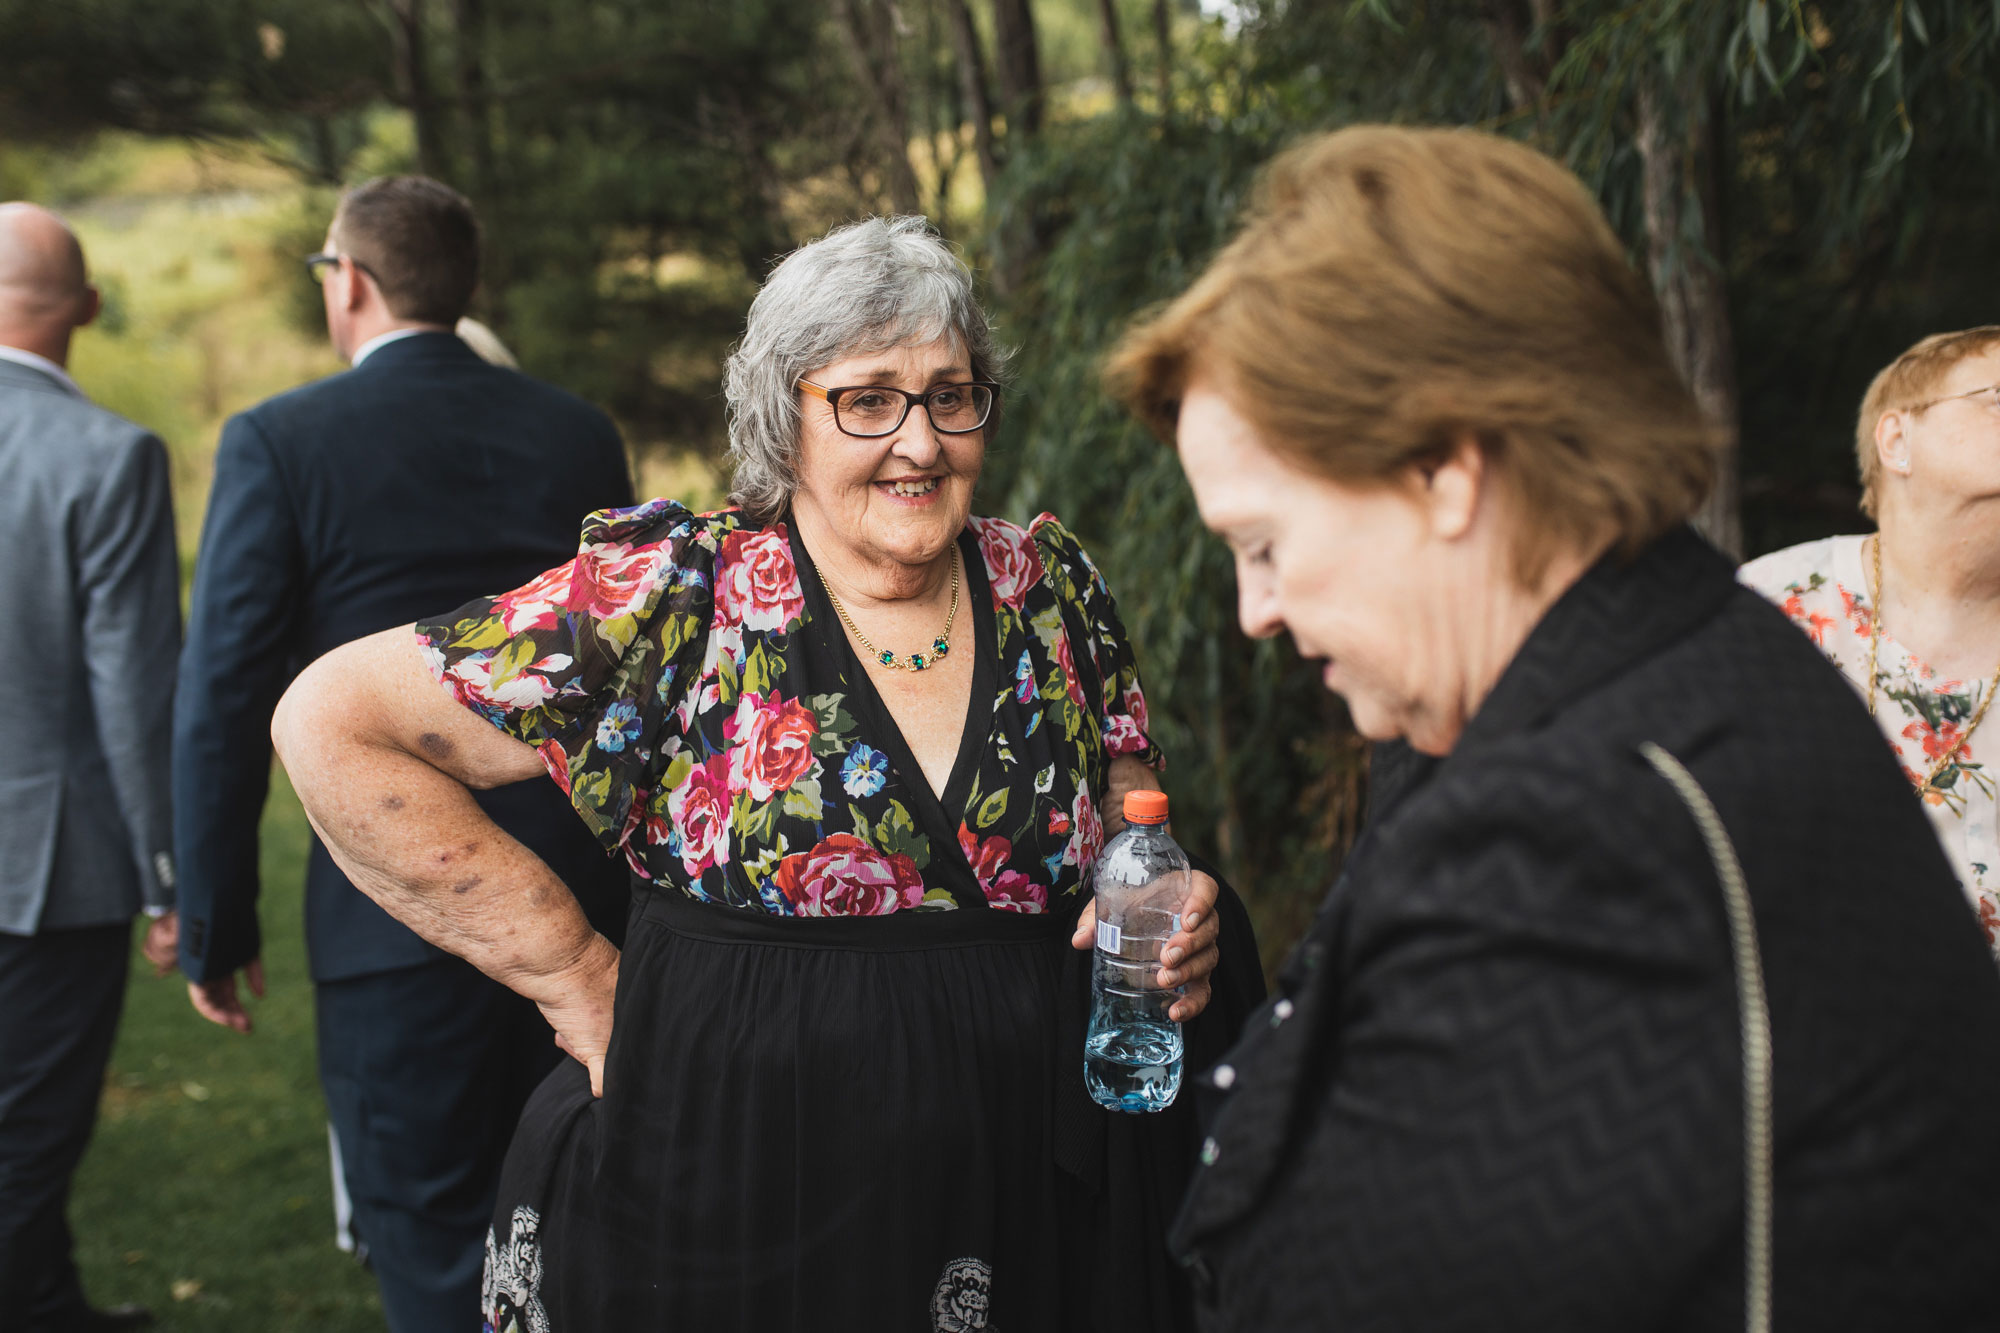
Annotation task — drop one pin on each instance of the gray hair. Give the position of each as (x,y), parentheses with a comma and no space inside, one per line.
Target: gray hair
(865,287)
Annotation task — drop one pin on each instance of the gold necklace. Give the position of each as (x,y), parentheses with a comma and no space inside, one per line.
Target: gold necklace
(940,646)
(1874,646)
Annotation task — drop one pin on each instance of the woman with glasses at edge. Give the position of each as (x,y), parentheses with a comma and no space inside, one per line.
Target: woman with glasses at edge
(860,748)
(1911,612)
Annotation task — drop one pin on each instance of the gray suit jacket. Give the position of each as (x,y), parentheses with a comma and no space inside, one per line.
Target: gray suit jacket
(90,607)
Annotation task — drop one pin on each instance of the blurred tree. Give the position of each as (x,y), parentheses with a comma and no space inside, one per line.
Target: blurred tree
(871,34)
(1663,106)
(1809,186)
(978,105)
(1019,63)
(632,164)
(1163,37)
(280,73)
(1114,50)
(1264,772)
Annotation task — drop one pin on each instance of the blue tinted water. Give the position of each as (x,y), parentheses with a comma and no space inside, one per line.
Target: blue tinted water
(1136,1065)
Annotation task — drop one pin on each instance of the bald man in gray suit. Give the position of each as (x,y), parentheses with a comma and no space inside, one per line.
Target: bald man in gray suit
(90,601)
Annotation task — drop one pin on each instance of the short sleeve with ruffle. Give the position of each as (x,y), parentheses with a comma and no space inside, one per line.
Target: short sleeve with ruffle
(1090,609)
(582,662)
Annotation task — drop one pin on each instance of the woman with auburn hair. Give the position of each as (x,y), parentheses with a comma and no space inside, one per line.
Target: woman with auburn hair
(1647,999)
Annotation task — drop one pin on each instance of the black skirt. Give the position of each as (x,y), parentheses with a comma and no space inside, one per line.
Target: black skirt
(867,1122)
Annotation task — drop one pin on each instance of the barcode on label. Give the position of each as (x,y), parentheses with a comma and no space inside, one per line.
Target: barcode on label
(1108,938)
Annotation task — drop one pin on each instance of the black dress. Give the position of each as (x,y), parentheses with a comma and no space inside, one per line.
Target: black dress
(1500,1087)
(844,1084)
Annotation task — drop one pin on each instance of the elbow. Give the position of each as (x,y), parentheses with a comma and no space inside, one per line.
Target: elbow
(300,723)
(287,721)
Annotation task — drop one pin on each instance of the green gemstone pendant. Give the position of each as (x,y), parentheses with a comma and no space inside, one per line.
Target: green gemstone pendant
(915,661)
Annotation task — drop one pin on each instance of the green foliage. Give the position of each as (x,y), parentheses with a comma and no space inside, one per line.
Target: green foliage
(201,68)
(1261,768)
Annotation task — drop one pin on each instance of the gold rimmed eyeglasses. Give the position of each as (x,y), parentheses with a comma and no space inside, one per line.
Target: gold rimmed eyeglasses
(1994,401)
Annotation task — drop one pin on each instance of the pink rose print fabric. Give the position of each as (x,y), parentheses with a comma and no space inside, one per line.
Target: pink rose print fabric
(688,685)
(1824,587)
(846,876)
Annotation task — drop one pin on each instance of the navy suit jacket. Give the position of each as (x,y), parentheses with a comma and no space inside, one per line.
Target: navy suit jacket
(395,491)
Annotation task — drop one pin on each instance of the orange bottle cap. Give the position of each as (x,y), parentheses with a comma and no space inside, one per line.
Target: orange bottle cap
(1145,807)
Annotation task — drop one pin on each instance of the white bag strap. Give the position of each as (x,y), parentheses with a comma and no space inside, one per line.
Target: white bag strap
(1754,1014)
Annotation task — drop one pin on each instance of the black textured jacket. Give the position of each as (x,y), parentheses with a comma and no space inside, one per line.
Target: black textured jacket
(1499,1086)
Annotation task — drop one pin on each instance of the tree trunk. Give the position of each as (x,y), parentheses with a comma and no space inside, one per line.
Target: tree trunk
(1683,248)
(1526,71)
(326,159)
(1163,35)
(413,82)
(476,130)
(475,94)
(1114,47)
(972,83)
(873,50)
(1020,66)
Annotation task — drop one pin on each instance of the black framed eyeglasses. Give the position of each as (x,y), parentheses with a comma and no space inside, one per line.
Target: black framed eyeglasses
(871,410)
(317,266)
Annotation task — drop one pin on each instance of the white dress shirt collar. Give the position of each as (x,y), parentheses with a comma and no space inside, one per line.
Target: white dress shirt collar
(34,362)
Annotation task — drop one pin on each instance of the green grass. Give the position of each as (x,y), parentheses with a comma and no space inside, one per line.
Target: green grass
(206,1194)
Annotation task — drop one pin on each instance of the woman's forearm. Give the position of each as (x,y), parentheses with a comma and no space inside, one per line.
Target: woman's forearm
(367,749)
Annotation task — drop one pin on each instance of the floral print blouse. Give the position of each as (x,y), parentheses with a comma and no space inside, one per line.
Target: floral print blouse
(1823,587)
(687,683)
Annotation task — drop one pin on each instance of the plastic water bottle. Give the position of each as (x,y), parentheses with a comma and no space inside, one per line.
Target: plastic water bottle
(1132,1055)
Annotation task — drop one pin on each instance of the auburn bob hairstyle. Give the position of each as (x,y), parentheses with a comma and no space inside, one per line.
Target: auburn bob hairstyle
(1393,292)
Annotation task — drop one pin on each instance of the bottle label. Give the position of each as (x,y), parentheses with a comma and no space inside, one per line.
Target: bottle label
(1108,938)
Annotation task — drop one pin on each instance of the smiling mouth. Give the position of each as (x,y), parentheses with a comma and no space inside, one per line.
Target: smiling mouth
(913,487)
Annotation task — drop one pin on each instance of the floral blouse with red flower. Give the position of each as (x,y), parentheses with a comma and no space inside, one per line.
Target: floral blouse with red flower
(688,685)
(1823,587)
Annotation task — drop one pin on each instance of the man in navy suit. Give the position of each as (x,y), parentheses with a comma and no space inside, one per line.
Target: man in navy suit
(401,488)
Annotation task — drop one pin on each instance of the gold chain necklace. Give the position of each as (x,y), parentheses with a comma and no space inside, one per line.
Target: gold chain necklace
(940,646)
(1874,646)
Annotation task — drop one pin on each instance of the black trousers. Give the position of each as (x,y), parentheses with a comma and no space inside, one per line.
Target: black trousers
(60,995)
(425,1070)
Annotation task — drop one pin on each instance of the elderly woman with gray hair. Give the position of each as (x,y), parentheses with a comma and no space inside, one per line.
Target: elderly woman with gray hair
(859,748)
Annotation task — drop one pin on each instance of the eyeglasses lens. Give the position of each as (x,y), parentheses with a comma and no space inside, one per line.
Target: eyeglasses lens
(871,412)
(960,407)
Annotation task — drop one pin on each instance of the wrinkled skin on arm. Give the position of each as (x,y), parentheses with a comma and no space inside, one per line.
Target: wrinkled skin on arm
(383,759)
